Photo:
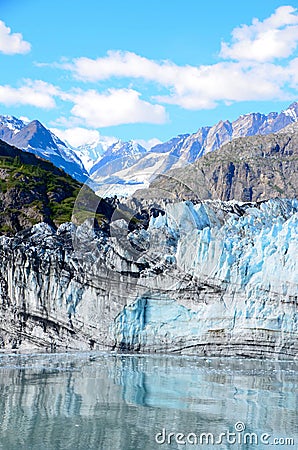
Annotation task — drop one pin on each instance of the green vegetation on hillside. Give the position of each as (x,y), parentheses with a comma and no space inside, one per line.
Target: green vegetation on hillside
(33,190)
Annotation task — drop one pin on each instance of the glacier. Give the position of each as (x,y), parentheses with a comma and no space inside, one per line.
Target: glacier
(208,278)
(248,253)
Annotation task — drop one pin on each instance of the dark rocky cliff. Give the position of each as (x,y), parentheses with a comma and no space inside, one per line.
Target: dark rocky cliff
(253,168)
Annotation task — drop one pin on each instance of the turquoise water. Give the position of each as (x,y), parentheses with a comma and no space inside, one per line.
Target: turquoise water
(110,402)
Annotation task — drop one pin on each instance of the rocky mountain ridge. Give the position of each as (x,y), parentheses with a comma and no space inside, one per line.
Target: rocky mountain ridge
(208,139)
(33,137)
(118,156)
(185,149)
(254,168)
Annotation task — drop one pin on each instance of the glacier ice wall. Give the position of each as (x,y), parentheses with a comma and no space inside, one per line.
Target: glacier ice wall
(212,278)
(247,256)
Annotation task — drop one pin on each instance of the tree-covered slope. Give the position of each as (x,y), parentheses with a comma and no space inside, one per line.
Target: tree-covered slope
(33,190)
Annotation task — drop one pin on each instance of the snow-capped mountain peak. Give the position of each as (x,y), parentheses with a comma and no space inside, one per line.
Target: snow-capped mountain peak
(118,156)
(88,145)
(121,149)
(110,161)
(12,123)
(35,138)
(292,111)
(9,127)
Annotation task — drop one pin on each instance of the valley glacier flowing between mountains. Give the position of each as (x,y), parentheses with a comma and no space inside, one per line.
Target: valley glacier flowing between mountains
(211,278)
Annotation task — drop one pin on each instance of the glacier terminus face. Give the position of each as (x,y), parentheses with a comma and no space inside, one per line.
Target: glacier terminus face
(242,269)
(211,278)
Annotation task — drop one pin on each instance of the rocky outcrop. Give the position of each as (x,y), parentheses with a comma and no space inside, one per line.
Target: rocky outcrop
(212,278)
(32,190)
(248,169)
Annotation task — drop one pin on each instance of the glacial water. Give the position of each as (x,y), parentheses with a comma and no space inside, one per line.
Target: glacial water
(109,402)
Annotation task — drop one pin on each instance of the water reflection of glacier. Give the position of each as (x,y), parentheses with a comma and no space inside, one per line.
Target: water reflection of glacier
(92,401)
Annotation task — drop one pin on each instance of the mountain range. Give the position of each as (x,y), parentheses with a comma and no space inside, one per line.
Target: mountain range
(247,169)
(118,156)
(123,167)
(187,148)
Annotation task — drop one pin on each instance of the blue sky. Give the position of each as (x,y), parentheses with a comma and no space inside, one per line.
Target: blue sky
(145,70)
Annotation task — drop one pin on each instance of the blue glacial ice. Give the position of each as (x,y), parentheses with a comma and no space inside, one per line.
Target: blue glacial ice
(242,261)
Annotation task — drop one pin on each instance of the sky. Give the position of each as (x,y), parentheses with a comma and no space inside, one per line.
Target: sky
(145,70)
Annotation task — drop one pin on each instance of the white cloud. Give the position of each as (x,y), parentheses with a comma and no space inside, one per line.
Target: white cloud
(149,143)
(114,107)
(78,136)
(25,119)
(275,37)
(12,43)
(120,64)
(227,82)
(34,93)
(248,72)
(190,87)
(293,73)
